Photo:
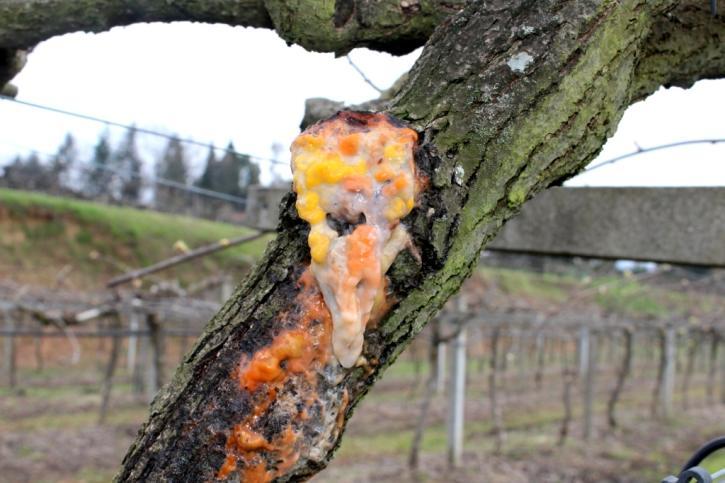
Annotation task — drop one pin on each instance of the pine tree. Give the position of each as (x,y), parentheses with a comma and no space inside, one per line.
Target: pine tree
(206,179)
(98,177)
(13,173)
(236,173)
(172,167)
(129,164)
(248,174)
(27,174)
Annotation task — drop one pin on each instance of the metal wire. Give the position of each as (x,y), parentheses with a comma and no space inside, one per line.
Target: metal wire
(654,148)
(143,130)
(154,179)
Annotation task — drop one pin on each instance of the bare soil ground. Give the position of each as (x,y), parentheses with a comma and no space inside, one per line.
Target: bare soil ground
(49,432)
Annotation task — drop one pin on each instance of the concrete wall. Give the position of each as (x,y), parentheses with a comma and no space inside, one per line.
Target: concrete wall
(676,225)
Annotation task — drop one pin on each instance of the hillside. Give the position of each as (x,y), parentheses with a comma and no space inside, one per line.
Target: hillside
(637,296)
(41,234)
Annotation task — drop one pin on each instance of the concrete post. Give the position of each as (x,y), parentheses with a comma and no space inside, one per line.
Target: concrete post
(591,352)
(227,289)
(583,351)
(457,400)
(133,326)
(668,383)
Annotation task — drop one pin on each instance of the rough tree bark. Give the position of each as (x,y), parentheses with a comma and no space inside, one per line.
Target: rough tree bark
(509,97)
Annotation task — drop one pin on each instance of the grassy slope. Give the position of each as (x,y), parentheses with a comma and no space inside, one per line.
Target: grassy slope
(39,234)
(612,294)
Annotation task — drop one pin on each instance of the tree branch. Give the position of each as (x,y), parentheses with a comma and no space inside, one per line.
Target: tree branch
(183,258)
(509,97)
(388,25)
(28,22)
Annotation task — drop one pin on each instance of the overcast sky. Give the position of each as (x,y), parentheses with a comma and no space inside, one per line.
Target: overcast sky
(215,83)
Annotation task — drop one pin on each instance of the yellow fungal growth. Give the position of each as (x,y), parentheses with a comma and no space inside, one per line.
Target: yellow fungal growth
(354,176)
(319,244)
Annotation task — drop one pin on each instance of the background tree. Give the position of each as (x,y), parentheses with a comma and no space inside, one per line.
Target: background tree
(63,164)
(54,176)
(129,164)
(206,207)
(508,98)
(27,174)
(98,177)
(232,175)
(172,167)
(235,173)
(206,180)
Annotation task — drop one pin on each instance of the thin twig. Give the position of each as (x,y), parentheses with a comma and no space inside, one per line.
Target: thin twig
(61,276)
(152,132)
(178,259)
(641,150)
(362,74)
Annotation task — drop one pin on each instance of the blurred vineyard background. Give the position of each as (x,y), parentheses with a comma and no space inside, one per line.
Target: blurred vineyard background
(576,370)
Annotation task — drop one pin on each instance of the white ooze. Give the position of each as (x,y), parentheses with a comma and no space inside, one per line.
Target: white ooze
(354,164)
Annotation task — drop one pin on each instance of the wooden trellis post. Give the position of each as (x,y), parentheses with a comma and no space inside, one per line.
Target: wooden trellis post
(155,361)
(110,368)
(712,366)
(441,367)
(9,349)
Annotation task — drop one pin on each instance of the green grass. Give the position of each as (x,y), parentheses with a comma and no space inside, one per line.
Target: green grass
(117,416)
(45,232)
(714,462)
(91,475)
(615,294)
(545,286)
(398,442)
